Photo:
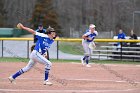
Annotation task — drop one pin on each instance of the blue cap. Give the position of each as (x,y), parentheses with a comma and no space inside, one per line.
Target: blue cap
(40,25)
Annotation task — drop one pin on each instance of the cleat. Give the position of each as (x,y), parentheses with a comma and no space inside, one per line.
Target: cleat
(82,61)
(11,79)
(48,83)
(88,65)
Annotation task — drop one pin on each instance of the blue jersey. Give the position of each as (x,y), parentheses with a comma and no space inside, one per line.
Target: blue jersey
(121,36)
(41,31)
(43,43)
(90,35)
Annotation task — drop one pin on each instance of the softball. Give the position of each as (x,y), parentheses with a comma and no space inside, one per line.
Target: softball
(18,26)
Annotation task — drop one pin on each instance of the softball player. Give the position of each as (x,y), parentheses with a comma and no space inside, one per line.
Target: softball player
(88,44)
(44,42)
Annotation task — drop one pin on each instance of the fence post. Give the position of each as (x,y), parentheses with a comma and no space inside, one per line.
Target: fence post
(107,53)
(121,50)
(2,49)
(27,48)
(57,50)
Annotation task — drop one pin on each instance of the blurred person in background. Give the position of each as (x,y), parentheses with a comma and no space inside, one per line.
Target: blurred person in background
(40,30)
(133,36)
(121,35)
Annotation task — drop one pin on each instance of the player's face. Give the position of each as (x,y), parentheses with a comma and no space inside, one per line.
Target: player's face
(53,34)
(120,31)
(40,27)
(132,32)
(92,30)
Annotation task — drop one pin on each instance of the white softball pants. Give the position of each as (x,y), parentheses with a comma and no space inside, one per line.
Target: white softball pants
(37,57)
(87,50)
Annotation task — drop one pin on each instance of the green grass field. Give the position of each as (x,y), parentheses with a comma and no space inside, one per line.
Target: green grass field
(78,61)
(71,48)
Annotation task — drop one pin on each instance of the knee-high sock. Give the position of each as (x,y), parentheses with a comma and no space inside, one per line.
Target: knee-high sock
(87,60)
(84,57)
(17,74)
(46,74)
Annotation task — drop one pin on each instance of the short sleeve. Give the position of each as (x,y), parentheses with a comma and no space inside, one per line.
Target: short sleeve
(96,33)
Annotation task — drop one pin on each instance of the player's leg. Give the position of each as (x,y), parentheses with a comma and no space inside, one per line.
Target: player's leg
(88,57)
(23,70)
(84,57)
(86,54)
(39,58)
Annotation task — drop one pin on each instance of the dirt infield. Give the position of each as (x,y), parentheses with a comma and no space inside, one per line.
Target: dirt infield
(72,78)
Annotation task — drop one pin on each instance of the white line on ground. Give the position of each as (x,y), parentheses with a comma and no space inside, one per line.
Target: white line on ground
(63,91)
(124,65)
(100,80)
(74,79)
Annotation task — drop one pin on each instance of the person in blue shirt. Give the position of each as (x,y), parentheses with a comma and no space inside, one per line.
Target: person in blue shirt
(42,45)
(121,35)
(40,30)
(88,44)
